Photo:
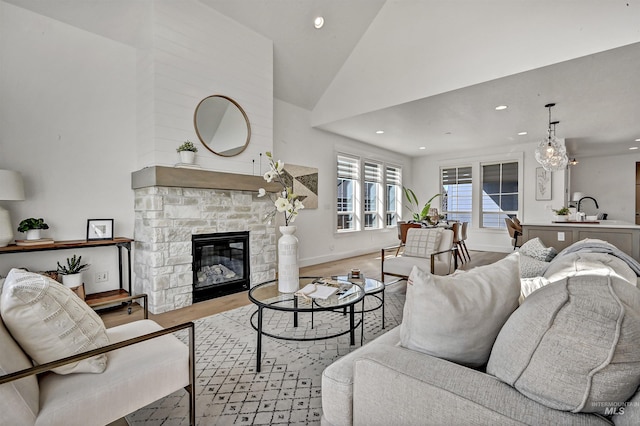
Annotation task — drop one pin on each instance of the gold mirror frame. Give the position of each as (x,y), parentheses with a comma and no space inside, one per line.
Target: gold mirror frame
(216,106)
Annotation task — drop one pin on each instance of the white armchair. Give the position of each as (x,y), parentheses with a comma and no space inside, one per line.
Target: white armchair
(144,361)
(432,249)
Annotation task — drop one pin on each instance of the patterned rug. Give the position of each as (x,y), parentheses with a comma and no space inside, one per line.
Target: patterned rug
(287,390)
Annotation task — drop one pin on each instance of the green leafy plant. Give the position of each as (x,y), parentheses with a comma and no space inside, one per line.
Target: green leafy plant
(74,266)
(414,205)
(187,146)
(32,223)
(562,211)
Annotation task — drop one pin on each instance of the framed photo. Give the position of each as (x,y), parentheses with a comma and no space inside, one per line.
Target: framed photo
(99,229)
(543,184)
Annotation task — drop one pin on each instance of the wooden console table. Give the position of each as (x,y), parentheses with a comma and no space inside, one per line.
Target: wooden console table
(95,299)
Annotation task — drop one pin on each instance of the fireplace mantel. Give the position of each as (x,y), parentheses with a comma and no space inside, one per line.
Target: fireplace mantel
(195,178)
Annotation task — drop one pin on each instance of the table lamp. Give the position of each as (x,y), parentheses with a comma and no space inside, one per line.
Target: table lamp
(11,188)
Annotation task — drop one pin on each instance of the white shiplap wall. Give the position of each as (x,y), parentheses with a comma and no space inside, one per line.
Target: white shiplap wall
(196,52)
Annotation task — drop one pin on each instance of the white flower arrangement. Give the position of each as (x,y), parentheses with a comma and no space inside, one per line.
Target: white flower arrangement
(286,202)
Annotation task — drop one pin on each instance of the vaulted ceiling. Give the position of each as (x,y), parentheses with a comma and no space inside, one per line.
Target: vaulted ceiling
(430,73)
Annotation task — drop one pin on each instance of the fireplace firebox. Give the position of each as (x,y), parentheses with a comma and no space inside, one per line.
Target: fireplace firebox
(220,264)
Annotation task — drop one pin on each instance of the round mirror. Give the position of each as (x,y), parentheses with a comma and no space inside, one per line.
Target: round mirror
(222,125)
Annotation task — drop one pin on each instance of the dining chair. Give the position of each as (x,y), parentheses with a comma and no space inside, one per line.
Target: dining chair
(456,241)
(463,238)
(515,231)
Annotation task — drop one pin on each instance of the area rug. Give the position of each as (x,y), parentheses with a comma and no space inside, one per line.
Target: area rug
(288,388)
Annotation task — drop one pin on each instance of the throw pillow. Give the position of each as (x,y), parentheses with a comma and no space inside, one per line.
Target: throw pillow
(458,317)
(50,322)
(422,242)
(573,344)
(530,267)
(535,248)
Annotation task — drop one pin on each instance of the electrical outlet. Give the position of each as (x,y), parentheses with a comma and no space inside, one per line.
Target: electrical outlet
(102,277)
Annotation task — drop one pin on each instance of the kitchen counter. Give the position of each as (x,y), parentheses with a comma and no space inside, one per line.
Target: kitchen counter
(624,235)
(597,223)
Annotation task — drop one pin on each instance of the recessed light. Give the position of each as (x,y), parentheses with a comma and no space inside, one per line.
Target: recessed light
(501,107)
(522,133)
(379,132)
(633,147)
(423,147)
(638,140)
(318,22)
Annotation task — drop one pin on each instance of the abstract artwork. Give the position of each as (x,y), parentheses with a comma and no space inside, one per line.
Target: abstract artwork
(304,181)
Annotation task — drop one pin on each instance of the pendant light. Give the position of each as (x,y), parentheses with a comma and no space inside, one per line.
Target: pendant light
(550,153)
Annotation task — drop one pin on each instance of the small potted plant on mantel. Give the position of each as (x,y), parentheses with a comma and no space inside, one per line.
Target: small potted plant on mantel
(32,227)
(187,152)
(561,214)
(72,271)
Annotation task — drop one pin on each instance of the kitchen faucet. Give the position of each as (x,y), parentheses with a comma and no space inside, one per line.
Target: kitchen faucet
(580,200)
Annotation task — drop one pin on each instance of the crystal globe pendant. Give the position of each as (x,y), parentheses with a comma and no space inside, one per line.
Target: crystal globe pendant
(551,154)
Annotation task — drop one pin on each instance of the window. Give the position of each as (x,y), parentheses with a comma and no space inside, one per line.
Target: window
(393,199)
(499,193)
(348,178)
(457,191)
(368,194)
(372,195)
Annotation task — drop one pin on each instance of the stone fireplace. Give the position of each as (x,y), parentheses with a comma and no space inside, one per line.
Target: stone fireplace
(172,205)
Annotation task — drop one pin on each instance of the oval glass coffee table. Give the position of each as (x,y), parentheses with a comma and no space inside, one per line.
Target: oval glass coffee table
(267,296)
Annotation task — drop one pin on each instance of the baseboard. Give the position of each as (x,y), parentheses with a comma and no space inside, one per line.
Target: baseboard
(311,261)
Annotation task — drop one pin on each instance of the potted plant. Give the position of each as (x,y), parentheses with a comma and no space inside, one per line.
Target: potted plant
(419,215)
(32,227)
(72,271)
(187,152)
(561,214)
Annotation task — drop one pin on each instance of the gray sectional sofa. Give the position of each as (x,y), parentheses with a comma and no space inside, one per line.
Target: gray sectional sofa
(569,354)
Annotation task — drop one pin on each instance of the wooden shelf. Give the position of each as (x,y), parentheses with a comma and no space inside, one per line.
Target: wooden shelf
(62,245)
(94,299)
(106,296)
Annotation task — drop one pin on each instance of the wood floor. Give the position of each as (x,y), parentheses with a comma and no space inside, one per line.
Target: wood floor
(369,265)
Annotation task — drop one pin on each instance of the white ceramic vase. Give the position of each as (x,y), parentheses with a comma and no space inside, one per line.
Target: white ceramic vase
(187,157)
(72,280)
(560,218)
(33,234)
(288,271)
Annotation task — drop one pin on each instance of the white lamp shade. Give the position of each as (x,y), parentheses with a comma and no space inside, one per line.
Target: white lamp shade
(11,186)
(577,196)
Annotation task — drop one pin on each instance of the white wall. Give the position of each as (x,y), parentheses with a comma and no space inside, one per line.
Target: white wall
(196,52)
(296,142)
(610,180)
(67,123)
(426,182)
